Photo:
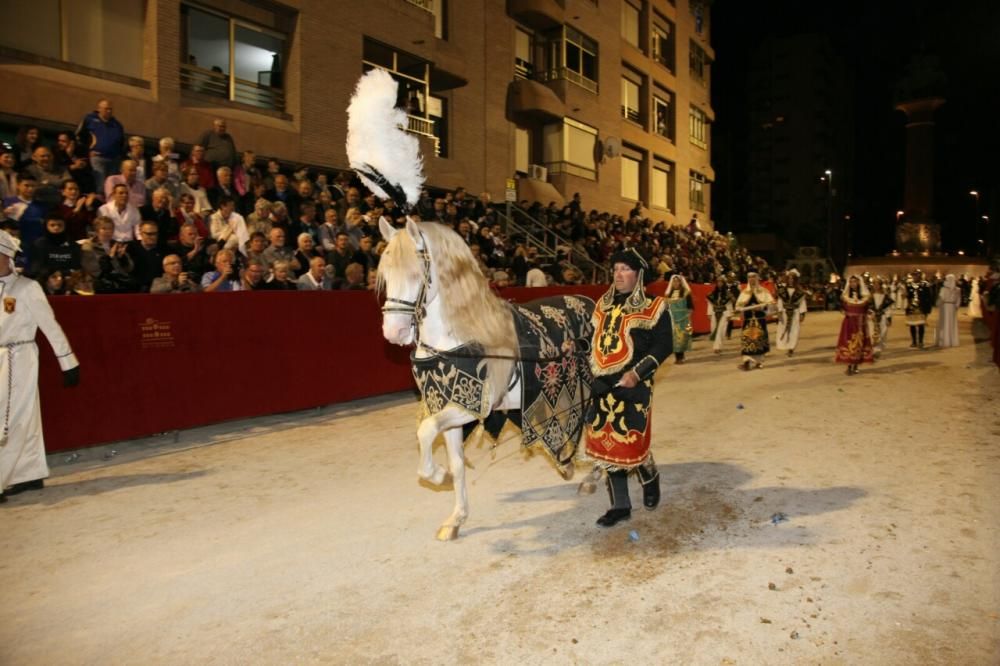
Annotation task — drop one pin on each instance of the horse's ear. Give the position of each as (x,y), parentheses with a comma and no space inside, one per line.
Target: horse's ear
(387,229)
(414,231)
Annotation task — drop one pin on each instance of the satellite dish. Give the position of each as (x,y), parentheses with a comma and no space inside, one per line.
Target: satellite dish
(612,146)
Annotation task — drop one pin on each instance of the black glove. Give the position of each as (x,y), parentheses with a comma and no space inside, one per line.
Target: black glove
(71,377)
(600,386)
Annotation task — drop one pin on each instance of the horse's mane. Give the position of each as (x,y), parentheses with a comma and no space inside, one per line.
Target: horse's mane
(472,311)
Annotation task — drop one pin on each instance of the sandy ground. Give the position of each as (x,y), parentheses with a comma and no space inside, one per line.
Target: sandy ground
(306,538)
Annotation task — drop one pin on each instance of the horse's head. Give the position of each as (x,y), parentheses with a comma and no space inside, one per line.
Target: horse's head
(404,275)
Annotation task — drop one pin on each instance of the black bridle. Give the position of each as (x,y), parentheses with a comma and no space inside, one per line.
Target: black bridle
(417,308)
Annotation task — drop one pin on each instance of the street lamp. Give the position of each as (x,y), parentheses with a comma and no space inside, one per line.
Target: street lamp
(975,195)
(828,179)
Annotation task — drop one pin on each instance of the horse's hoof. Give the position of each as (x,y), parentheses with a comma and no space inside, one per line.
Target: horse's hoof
(439,476)
(447,533)
(588,487)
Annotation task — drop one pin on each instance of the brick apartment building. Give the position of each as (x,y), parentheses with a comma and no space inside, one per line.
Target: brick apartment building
(587,96)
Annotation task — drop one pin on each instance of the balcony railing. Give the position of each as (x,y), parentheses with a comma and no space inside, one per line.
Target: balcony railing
(564,73)
(426,5)
(216,84)
(424,127)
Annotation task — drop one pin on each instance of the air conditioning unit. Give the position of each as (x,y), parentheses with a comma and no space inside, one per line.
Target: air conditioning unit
(538,172)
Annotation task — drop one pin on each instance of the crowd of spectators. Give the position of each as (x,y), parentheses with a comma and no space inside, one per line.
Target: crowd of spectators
(100,211)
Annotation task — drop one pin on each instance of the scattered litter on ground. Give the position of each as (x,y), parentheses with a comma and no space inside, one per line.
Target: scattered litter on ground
(633,536)
(778,518)
(110,454)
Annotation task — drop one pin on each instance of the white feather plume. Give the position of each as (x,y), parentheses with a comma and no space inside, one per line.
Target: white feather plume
(376,138)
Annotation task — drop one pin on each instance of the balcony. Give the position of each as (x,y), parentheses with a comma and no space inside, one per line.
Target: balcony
(538,14)
(423,128)
(529,101)
(216,84)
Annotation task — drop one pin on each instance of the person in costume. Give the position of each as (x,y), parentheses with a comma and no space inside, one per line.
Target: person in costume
(792,307)
(881,309)
(680,304)
(720,309)
(753,303)
(918,305)
(632,336)
(948,301)
(854,346)
(25,310)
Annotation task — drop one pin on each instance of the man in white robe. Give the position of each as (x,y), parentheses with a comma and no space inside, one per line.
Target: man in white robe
(25,310)
(792,308)
(948,301)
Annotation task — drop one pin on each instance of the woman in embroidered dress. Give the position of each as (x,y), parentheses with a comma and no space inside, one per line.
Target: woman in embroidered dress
(753,303)
(680,304)
(854,346)
(720,309)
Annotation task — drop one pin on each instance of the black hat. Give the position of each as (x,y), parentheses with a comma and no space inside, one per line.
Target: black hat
(630,258)
(6,148)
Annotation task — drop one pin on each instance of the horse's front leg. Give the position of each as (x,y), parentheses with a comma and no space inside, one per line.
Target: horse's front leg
(427,432)
(456,462)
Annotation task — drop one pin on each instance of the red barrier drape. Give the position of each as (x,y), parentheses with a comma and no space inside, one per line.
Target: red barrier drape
(156,363)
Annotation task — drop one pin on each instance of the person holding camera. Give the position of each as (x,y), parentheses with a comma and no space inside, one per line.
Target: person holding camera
(174,280)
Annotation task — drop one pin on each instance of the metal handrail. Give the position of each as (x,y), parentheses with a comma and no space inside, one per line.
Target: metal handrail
(530,228)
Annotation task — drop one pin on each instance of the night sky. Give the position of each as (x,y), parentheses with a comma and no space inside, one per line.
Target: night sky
(876,39)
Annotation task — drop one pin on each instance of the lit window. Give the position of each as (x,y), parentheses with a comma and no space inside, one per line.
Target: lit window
(569,148)
(697,125)
(630,100)
(697,191)
(662,116)
(660,185)
(571,56)
(630,24)
(663,42)
(523,60)
(233,59)
(101,34)
(630,178)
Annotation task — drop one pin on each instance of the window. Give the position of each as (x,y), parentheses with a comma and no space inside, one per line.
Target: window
(630,24)
(572,56)
(663,42)
(660,185)
(697,127)
(524,63)
(630,178)
(106,35)
(663,118)
(700,13)
(522,149)
(233,59)
(698,63)
(697,191)
(631,101)
(569,148)
(427,115)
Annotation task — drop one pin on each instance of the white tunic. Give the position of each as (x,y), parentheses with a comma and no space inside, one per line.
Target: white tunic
(720,325)
(949,298)
(883,325)
(23,310)
(788,326)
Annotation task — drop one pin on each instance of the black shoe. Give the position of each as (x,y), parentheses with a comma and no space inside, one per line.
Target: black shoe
(613,517)
(37,484)
(651,493)
(3,498)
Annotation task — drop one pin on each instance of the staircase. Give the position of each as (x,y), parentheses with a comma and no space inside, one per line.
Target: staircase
(545,240)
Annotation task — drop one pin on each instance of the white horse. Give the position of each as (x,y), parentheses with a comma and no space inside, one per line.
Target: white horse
(467,361)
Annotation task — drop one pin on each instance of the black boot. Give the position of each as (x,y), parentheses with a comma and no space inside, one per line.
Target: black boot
(18,488)
(649,477)
(920,336)
(913,336)
(621,507)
